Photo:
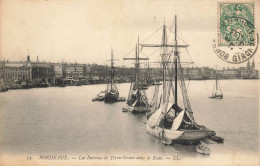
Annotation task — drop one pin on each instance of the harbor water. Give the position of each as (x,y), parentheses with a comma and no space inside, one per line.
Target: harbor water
(66,121)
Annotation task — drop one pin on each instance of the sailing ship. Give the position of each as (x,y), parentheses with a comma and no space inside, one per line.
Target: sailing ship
(137,98)
(217,93)
(111,93)
(169,121)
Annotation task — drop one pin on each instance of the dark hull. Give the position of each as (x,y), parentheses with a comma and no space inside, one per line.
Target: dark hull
(42,86)
(130,102)
(4,90)
(26,87)
(216,97)
(140,109)
(187,137)
(111,98)
(99,98)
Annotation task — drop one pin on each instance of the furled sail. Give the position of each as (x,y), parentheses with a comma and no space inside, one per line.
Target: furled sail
(133,105)
(177,121)
(154,102)
(155,118)
(130,92)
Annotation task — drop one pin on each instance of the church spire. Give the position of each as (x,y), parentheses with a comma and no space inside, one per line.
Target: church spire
(253,64)
(248,64)
(28,58)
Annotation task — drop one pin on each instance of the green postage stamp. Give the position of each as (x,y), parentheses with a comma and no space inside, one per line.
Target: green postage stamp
(237,39)
(236,24)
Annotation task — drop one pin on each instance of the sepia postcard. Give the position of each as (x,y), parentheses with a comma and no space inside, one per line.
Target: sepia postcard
(129,82)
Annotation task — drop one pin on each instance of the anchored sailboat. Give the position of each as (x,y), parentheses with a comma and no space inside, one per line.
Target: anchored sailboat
(217,93)
(137,98)
(170,122)
(111,93)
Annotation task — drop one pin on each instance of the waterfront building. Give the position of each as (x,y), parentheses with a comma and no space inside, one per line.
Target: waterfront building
(206,72)
(219,72)
(195,73)
(58,70)
(74,70)
(2,66)
(59,73)
(15,71)
(186,72)
(230,73)
(86,71)
(42,72)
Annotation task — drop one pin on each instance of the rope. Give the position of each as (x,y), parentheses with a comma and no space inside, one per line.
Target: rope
(206,85)
(151,53)
(151,34)
(129,52)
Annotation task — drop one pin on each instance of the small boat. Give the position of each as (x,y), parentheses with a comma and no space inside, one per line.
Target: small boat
(167,141)
(124,110)
(217,93)
(121,99)
(100,96)
(217,139)
(202,148)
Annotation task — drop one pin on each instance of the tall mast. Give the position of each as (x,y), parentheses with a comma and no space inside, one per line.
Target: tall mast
(216,79)
(137,67)
(164,45)
(148,73)
(176,57)
(111,68)
(138,64)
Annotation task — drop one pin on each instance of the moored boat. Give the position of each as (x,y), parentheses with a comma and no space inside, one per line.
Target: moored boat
(111,93)
(217,93)
(169,121)
(137,98)
(111,96)
(202,148)
(100,96)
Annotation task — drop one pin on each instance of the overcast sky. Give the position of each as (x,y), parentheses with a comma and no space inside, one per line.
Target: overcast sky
(84,30)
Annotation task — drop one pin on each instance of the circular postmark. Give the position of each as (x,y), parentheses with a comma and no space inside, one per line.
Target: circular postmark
(235,55)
